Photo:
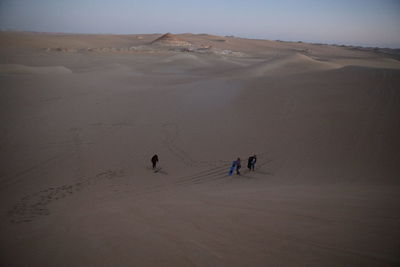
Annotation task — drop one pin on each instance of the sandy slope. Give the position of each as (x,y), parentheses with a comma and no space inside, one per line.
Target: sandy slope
(82,115)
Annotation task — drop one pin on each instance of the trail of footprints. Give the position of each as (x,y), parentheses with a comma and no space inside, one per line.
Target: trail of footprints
(35,205)
(172,134)
(215,174)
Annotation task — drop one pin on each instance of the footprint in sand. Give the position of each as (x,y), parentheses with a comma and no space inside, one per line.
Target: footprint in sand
(34,205)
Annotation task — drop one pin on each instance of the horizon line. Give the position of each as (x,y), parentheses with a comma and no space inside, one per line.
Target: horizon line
(229,36)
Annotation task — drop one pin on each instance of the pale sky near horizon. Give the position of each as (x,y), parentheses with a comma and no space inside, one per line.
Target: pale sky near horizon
(353,22)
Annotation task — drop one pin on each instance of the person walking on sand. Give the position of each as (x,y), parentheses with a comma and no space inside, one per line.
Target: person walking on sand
(251,162)
(154,161)
(238,166)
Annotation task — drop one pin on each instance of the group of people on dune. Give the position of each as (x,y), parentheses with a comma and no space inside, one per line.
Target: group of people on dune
(236,164)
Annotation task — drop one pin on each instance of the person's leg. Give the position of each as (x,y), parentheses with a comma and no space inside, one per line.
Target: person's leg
(154,164)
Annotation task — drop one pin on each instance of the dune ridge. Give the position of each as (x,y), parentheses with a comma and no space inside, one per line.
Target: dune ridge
(22,69)
(286,65)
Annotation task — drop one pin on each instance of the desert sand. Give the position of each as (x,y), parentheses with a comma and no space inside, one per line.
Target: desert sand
(81,116)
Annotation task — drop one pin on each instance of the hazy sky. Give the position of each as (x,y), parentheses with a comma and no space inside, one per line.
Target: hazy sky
(358,22)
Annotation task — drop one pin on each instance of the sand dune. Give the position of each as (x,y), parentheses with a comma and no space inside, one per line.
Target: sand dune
(286,65)
(21,69)
(77,189)
(182,58)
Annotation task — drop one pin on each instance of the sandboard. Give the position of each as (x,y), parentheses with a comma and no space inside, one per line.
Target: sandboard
(232,168)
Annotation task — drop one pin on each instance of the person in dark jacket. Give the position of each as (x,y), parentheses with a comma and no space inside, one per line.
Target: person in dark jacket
(252,162)
(154,161)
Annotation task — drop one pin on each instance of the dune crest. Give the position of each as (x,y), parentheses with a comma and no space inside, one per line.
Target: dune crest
(286,65)
(23,69)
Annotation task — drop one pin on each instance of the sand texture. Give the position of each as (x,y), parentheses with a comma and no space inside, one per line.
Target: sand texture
(81,116)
